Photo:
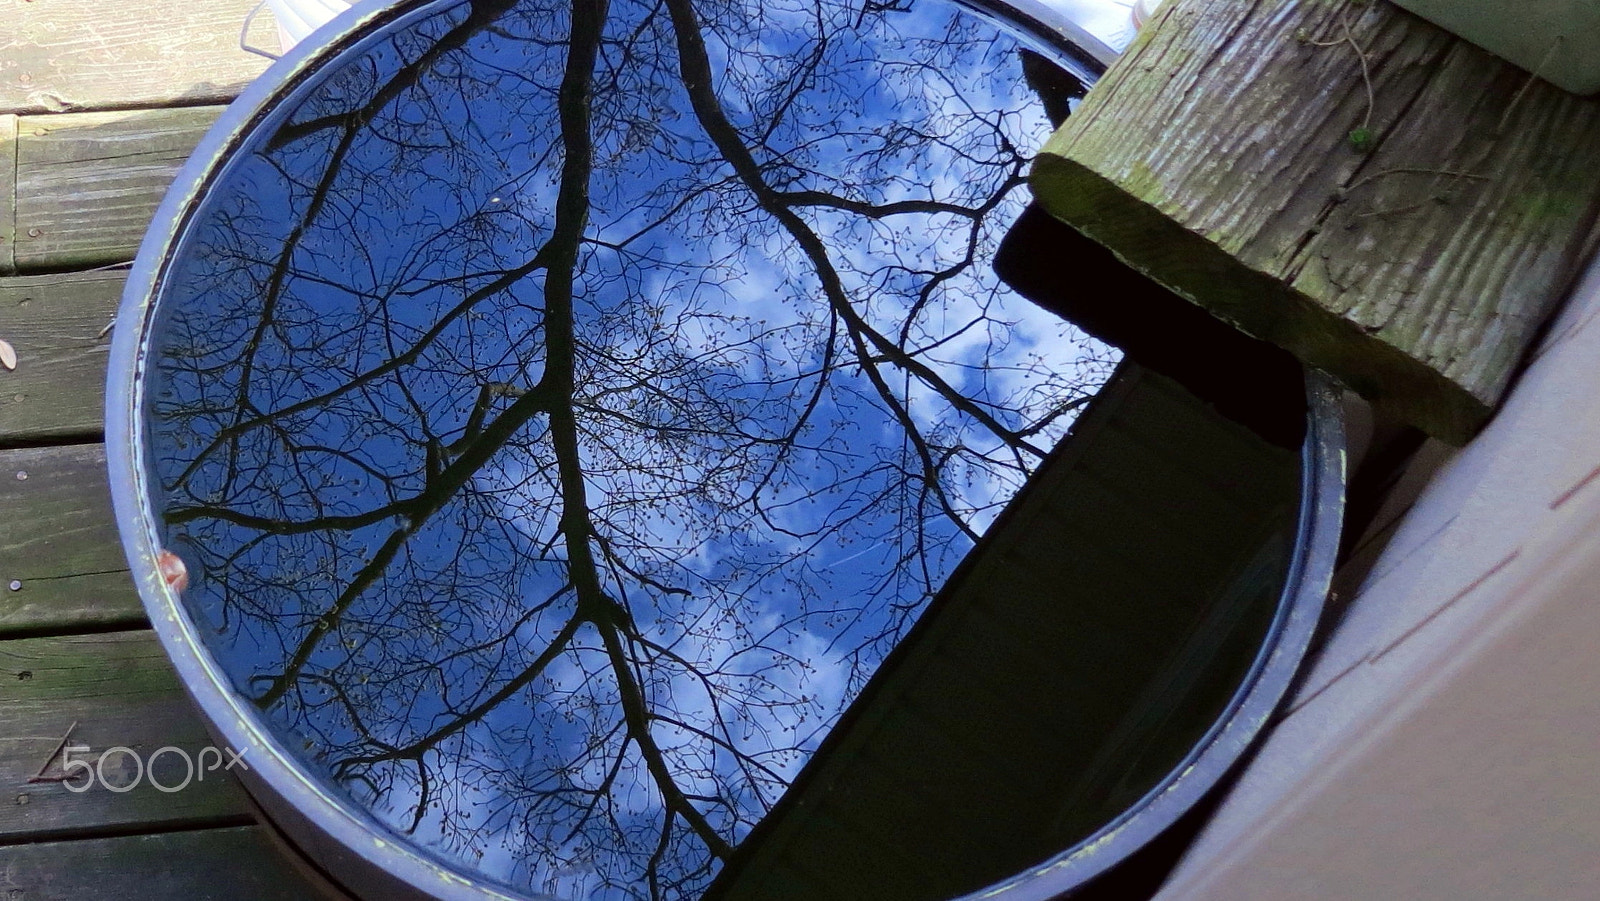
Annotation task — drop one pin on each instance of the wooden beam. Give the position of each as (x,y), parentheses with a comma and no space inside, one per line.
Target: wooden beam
(58,325)
(1409,239)
(59,545)
(8,194)
(121,692)
(61,55)
(87,184)
(239,863)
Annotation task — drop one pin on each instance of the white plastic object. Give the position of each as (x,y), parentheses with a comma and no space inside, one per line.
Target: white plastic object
(296,19)
(1143,10)
(1557,40)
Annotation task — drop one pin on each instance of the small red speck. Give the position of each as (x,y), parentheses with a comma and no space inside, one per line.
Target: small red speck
(173,572)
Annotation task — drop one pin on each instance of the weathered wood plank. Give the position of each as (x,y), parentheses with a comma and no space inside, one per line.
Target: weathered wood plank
(1216,156)
(57,323)
(88,183)
(8,193)
(122,692)
(238,863)
(59,55)
(59,544)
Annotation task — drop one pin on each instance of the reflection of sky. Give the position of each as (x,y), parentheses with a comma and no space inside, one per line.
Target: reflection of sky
(784,450)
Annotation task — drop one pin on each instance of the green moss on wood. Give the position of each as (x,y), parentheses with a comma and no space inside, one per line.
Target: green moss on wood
(1215,157)
(1197,268)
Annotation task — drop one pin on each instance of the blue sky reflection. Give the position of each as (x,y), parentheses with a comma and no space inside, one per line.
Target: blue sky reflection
(560,437)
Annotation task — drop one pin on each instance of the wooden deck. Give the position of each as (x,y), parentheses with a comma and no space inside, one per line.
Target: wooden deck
(100,102)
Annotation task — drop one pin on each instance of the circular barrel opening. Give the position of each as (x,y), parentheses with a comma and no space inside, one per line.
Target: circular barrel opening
(653,450)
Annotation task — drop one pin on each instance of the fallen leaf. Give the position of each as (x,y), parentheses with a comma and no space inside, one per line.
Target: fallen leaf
(8,354)
(172,571)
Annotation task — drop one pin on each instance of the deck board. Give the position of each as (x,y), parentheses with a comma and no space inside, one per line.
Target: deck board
(57,323)
(59,545)
(231,864)
(8,193)
(87,184)
(61,55)
(122,692)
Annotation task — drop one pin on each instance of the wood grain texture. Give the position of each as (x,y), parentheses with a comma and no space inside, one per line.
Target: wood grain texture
(88,183)
(122,692)
(57,323)
(60,55)
(59,545)
(1216,157)
(8,193)
(230,864)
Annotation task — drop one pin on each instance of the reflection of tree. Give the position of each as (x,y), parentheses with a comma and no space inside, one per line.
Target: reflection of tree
(607,409)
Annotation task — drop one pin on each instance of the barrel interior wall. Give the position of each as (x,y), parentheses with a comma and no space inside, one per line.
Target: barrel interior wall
(1096,633)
